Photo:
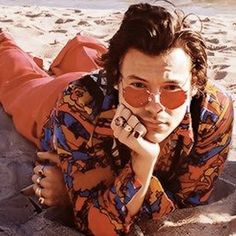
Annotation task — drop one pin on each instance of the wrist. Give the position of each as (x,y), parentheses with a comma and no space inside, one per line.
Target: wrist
(143,167)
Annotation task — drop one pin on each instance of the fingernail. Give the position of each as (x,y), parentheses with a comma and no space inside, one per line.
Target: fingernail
(39,154)
(136,134)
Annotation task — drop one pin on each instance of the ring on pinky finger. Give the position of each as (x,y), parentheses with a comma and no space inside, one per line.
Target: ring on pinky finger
(136,134)
(139,131)
(41,200)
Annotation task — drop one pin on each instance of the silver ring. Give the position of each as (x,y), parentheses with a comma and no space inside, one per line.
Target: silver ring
(128,128)
(38,192)
(38,180)
(41,171)
(120,121)
(41,200)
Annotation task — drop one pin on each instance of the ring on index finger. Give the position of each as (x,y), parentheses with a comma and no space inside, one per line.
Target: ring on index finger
(38,180)
(119,121)
(41,171)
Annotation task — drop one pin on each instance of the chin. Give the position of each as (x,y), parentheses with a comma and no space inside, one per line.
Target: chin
(156,137)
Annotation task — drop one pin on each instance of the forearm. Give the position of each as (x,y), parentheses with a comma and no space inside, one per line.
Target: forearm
(143,170)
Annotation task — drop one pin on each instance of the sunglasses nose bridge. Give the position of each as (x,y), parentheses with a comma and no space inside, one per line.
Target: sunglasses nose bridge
(155,97)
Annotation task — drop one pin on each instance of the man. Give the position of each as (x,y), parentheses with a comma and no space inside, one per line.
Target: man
(146,134)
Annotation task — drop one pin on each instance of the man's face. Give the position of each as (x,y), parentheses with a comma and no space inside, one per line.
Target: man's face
(169,72)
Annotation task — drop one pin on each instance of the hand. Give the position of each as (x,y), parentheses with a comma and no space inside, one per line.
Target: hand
(130,131)
(49,182)
(52,157)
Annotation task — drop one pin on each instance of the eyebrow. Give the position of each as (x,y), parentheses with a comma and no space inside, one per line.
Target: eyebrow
(136,77)
(144,80)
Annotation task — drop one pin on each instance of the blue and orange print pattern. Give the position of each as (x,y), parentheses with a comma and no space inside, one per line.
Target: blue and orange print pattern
(97,168)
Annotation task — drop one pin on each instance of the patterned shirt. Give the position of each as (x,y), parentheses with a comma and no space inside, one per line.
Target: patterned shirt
(97,168)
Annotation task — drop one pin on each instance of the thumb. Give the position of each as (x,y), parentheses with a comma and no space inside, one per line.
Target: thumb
(50,156)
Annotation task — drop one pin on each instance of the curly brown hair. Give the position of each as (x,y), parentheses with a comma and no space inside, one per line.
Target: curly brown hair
(155,30)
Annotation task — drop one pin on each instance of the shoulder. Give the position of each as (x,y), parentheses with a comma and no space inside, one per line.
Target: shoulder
(89,94)
(216,108)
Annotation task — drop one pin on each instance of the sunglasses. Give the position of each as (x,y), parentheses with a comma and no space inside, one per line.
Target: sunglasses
(169,98)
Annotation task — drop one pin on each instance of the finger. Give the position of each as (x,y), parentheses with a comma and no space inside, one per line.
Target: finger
(118,110)
(46,194)
(47,202)
(127,128)
(36,179)
(41,170)
(125,113)
(38,190)
(133,121)
(51,156)
(44,182)
(122,111)
(139,130)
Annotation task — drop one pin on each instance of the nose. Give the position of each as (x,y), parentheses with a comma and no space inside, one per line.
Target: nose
(154,105)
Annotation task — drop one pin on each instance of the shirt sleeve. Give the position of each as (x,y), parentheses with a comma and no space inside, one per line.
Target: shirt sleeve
(98,194)
(194,177)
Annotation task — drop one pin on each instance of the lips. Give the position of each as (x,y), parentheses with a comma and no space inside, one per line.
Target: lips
(153,124)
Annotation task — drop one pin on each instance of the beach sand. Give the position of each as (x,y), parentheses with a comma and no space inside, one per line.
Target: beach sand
(43,31)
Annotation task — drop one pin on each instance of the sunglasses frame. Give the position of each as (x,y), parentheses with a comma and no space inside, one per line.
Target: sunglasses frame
(151,95)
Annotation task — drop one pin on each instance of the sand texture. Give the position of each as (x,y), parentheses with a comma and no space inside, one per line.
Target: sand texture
(43,31)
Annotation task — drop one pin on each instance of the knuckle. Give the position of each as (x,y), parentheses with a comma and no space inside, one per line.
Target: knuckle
(33,178)
(35,186)
(35,169)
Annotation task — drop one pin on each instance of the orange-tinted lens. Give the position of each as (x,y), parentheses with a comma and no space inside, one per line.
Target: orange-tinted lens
(136,97)
(172,99)
(140,97)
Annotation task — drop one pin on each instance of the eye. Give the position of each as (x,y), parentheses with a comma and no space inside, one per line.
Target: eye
(138,85)
(171,87)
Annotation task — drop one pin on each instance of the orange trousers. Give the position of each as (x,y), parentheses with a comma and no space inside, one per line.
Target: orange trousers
(28,93)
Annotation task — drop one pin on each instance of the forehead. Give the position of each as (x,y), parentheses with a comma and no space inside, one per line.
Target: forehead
(172,66)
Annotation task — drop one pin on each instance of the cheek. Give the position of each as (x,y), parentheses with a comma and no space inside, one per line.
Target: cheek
(135,111)
(177,115)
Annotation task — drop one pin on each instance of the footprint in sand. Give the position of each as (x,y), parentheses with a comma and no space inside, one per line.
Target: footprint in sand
(220,32)
(31,15)
(6,20)
(62,21)
(55,42)
(83,22)
(48,15)
(216,48)
(100,22)
(20,25)
(232,48)
(206,20)
(210,54)
(58,31)
(77,11)
(220,75)
(214,40)
(220,67)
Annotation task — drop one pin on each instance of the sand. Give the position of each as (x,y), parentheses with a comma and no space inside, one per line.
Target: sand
(43,31)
